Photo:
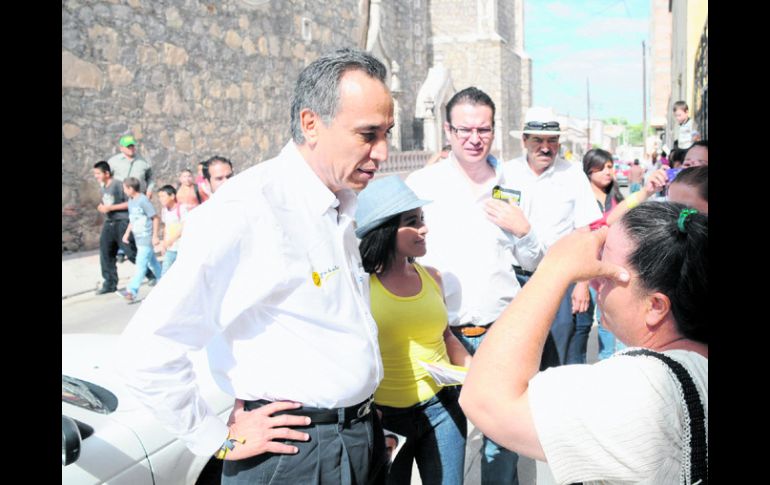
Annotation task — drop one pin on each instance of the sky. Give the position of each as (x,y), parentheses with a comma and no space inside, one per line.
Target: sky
(600,40)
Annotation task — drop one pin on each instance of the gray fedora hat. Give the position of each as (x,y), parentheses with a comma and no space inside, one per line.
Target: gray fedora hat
(382,199)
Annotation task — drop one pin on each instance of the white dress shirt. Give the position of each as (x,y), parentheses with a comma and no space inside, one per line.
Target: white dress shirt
(270,281)
(556,202)
(473,254)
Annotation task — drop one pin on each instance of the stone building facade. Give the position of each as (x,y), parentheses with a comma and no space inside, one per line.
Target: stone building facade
(190,79)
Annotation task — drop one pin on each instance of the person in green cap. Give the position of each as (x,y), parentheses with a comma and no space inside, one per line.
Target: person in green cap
(128,164)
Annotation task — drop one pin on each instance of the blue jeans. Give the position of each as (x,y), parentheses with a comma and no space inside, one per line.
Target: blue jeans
(145,257)
(576,351)
(435,432)
(168,260)
(608,343)
(499,464)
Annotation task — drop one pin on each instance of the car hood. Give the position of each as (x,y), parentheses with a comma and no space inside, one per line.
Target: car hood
(90,357)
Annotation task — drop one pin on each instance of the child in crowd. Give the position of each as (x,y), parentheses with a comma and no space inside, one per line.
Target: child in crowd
(687,134)
(143,222)
(691,188)
(188,194)
(172,215)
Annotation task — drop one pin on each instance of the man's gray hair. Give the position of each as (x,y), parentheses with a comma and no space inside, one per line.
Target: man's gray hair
(317,87)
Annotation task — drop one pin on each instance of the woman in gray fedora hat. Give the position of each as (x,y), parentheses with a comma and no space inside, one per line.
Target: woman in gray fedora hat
(407,302)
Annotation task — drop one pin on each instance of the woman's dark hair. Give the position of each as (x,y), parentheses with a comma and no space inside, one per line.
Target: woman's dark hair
(594,160)
(697,177)
(672,262)
(378,246)
(676,155)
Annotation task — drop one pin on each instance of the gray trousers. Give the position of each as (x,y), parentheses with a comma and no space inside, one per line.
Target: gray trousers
(338,453)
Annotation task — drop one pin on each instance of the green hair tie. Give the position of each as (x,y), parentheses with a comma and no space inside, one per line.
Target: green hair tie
(683,218)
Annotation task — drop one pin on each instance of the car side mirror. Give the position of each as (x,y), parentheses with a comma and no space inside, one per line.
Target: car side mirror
(70,441)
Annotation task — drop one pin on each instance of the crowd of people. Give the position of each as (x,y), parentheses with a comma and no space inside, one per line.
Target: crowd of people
(131,228)
(320,293)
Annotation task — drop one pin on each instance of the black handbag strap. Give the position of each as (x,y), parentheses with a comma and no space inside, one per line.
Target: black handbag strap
(698,456)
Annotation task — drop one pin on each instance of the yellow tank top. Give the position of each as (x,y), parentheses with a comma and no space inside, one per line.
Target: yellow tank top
(410,329)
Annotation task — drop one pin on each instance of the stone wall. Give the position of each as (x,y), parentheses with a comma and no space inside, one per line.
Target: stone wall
(188,79)
(192,79)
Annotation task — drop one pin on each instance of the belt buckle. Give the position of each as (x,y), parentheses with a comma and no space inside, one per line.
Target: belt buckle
(473,331)
(364,409)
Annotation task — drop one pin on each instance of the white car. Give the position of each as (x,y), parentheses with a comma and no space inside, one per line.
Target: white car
(108,437)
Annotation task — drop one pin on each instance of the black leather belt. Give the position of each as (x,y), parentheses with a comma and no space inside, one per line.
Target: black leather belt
(320,415)
(521,271)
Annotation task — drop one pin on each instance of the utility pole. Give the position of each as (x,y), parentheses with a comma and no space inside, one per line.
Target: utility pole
(644,101)
(588,109)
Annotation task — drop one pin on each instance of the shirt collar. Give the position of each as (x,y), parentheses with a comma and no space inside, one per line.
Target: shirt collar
(451,160)
(454,165)
(318,198)
(546,173)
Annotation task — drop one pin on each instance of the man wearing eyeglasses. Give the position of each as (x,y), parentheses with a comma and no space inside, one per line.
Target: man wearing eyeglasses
(475,230)
(556,199)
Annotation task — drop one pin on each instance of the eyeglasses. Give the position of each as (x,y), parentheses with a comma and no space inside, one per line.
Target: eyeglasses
(538,125)
(465,133)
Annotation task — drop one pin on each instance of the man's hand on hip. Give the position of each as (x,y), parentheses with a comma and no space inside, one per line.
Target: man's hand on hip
(259,428)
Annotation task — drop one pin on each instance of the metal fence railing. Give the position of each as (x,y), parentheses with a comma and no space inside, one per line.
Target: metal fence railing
(404,161)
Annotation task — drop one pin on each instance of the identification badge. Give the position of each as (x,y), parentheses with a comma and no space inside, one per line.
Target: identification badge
(501,193)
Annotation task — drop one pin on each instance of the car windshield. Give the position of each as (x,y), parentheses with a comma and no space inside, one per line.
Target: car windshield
(87,395)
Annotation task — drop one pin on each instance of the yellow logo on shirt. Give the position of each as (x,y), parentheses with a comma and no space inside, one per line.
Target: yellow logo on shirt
(318,278)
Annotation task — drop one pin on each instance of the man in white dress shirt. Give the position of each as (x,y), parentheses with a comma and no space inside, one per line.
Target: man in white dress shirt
(271,283)
(557,199)
(475,231)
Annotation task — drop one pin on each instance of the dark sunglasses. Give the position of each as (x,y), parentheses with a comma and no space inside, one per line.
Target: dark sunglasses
(537,125)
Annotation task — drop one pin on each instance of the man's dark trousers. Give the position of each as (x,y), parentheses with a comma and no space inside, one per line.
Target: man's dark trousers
(562,328)
(344,453)
(110,240)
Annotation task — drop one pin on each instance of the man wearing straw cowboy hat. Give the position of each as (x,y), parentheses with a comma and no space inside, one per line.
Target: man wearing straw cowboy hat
(556,199)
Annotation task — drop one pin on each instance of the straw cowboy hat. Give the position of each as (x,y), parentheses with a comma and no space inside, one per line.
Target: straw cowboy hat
(539,121)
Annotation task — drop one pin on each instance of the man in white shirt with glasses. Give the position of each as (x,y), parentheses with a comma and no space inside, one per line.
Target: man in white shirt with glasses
(476,228)
(271,284)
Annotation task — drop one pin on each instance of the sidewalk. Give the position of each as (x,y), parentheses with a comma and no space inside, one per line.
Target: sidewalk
(82,273)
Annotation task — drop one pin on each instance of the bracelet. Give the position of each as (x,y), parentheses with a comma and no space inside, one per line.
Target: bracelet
(228,445)
(632,200)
